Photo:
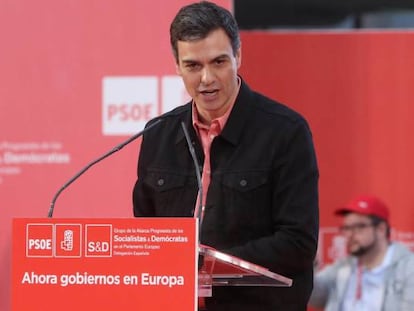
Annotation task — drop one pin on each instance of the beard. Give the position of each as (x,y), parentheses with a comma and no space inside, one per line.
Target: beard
(362,250)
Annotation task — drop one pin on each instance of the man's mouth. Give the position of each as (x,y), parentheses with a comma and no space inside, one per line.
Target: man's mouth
(209,92)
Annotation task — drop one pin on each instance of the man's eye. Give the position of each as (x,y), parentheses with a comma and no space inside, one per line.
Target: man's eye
(192,66)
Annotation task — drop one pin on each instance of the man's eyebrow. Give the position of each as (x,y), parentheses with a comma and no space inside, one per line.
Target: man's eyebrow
(220,57)
(193,61)
(189,61)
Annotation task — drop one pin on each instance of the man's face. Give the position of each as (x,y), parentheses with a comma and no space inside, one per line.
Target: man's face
(208,68)
(362,236)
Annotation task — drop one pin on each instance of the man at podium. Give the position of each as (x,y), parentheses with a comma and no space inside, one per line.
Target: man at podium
(258,167)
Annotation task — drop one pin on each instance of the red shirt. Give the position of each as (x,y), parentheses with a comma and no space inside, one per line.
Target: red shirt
(207,133)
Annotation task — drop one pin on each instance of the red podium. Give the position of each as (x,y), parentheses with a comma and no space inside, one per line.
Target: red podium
(120,264)
(104,264)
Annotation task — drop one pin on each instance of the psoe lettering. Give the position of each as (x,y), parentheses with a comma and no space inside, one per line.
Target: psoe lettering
(40,244)
(129,112)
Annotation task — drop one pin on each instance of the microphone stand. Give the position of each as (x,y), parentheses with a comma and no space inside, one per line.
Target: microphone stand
(200,208)
(115,149)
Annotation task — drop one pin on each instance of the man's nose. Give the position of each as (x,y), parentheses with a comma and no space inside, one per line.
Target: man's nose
(207,75)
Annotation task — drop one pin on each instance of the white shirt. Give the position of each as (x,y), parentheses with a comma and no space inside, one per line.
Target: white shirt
(365,291)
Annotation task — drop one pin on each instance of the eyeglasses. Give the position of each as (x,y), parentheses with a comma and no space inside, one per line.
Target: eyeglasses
(358,227)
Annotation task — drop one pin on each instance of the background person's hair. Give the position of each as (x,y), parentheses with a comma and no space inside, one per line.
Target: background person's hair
(377,220)
(197,20)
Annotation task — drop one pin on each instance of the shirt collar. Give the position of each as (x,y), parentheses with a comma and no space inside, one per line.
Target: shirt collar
(386,261)
(221,121)
(384,264)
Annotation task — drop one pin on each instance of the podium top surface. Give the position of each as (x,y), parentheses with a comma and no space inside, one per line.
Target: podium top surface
(228,270)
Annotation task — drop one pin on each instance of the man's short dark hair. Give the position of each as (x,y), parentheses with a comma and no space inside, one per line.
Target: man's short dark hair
(195,21)
(377,220)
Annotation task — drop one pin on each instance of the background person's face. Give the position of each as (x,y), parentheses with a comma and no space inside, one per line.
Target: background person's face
(208,68)
(361,234)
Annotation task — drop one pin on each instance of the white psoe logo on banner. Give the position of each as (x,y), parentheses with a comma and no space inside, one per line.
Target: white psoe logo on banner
(130,102)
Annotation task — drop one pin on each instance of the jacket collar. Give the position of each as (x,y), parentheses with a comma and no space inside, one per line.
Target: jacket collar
(240,114)
(236,122)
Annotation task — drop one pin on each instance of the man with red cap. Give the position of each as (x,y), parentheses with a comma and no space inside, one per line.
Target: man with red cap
(378,274)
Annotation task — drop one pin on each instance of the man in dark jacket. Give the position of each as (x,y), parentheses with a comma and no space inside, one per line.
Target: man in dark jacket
(259,171)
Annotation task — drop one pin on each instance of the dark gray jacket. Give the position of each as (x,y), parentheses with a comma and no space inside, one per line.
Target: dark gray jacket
(331,283)
(262,202)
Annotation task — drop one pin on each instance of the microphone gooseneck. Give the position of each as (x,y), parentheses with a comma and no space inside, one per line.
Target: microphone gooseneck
(115,149)
(200,207)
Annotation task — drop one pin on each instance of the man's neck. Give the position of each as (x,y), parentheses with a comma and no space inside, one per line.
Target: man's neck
(375,257)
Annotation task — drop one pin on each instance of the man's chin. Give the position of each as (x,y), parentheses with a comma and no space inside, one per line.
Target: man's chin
(357,251)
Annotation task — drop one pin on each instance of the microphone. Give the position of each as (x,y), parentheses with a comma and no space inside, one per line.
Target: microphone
(200,208)
(115,149)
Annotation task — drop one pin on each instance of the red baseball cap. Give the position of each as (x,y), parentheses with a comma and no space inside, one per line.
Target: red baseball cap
(366,205)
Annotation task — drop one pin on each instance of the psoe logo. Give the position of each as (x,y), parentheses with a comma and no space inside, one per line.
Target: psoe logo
(98,240)
(128,103)
(68,239)
(331,246)
(39,240)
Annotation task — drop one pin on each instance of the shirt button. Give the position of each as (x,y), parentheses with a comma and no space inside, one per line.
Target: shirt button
(160,182)
(243,182)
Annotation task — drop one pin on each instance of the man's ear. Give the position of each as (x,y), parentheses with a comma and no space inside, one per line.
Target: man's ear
(383,227)
(177,68)
(238,57)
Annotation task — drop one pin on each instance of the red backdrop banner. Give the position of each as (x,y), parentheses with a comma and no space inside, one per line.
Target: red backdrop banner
(356,91)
